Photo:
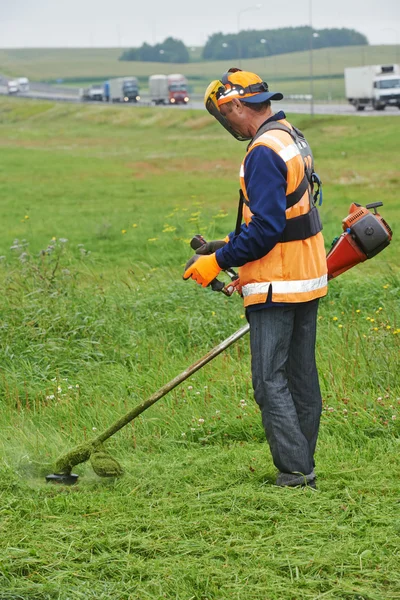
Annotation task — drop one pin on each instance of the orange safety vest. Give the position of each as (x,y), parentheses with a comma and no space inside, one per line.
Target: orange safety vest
(296,270)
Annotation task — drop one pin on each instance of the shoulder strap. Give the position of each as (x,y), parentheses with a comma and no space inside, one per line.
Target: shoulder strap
(239,218)
(270,125)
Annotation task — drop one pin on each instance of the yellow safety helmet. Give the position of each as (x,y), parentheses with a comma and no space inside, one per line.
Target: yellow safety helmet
(235,83)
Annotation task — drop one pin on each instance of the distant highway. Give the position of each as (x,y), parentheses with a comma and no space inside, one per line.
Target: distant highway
(43,91)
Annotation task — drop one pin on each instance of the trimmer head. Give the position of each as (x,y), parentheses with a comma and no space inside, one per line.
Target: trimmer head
(63,478)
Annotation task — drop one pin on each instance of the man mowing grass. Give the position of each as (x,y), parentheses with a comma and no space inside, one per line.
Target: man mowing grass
(283,273)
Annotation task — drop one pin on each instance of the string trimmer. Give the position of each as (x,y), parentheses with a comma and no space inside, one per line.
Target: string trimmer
(365,235)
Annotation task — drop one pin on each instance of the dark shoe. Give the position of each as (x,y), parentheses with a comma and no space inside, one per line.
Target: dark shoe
(296,480)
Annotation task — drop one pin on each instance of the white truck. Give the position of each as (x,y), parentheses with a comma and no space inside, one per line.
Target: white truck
(373,85)
(12,86)
(92,94)
(23,85)
(168,89)
(123,89)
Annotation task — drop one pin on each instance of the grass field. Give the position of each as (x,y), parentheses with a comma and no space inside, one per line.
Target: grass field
(291,71)
(98,205)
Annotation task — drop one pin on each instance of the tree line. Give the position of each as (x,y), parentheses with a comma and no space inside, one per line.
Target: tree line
(170,50)
(249,43)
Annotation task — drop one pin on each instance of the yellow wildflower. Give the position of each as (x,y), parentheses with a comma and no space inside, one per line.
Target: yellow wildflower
(372,320)
(53,239)
(134,225)
(152,239)
(123,231)
(385,287)
(340,326)
(388,327)
(26,216)
(335,319)
(358,310)
(375,329)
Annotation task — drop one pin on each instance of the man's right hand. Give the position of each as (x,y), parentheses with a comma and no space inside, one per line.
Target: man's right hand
(211,247)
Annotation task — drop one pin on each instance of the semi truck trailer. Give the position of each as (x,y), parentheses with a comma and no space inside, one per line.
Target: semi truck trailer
(373,85)
(124,89)
(168,89)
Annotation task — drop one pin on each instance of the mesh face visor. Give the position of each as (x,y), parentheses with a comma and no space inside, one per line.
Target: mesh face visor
(213,93)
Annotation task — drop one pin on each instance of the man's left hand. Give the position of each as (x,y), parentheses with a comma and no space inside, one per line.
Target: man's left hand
(202,268)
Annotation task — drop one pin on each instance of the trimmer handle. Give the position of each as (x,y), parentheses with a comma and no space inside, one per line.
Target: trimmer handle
(374,205)
(216,284)
(196,242)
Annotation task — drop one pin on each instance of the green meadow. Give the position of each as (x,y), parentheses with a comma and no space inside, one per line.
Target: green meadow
(82,66)
(98,207)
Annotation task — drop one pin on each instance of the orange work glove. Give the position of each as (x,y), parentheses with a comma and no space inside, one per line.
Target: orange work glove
(203,269)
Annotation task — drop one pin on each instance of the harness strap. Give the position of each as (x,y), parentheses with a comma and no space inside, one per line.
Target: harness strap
(296,196)
(302,227)
(239,218)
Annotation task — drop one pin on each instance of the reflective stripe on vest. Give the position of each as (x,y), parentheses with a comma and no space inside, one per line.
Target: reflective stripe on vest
(286,287)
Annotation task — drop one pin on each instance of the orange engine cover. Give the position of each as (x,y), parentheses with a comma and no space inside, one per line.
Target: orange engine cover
(344,255)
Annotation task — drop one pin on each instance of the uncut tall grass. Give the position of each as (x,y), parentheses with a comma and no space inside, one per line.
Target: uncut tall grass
(98,207)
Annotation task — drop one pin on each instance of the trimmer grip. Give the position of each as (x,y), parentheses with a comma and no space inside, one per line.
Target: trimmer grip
(196,242)
(217,285)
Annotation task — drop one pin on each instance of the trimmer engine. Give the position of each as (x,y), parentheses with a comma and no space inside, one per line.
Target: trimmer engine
(365,235)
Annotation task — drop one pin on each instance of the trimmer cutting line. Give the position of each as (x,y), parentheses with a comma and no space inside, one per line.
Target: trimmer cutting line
(365,235)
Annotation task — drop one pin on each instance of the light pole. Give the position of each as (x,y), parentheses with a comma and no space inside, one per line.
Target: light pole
(312,36)
(263,41)
(239,14)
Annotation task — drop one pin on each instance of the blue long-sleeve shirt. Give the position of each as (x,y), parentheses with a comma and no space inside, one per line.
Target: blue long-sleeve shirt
(265,176)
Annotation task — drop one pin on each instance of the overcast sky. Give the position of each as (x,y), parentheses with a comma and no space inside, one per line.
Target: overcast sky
(126,23)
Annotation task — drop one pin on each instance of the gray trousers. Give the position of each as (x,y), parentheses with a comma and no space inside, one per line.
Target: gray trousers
(285,382)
